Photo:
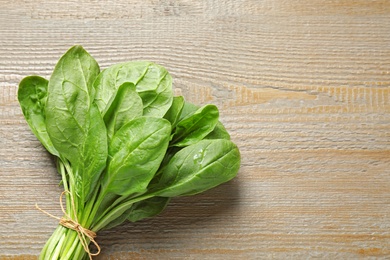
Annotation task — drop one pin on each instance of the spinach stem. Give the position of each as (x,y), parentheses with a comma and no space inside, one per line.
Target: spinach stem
(71,210)
(115,203)
(118,211)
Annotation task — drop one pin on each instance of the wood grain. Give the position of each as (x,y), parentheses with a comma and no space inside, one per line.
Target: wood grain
(303,87)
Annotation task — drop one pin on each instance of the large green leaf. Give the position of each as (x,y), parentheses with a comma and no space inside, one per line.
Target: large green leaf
(93,154)
(73,122)
(153,84)
(32,95)
(135,154)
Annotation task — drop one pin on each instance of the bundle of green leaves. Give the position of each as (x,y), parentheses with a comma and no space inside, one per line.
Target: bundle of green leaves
(124,144)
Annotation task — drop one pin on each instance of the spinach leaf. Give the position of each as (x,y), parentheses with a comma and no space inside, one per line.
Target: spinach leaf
(73,122)
(195,127)
(126,106)
(219,132)
(32,95)
(135,153)
(139,210)
(93,154)
(174,112)
(147,208)
(153,84)
(198,167)
(188,109)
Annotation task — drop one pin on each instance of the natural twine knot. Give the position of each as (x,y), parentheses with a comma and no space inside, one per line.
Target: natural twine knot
(66,221)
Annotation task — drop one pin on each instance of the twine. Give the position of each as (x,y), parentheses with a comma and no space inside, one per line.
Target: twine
(66,221)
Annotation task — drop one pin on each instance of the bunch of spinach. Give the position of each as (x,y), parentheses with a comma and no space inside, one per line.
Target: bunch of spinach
(124,144)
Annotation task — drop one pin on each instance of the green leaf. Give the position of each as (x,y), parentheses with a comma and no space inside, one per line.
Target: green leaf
(188,109)
(135,154)
(147,208)
(133,211)
(73,122)
(153,84)
(198,167)
(195,127)
(32,95)
(69,102)
(219,132)
(174,111)
(93,154)
(126,106)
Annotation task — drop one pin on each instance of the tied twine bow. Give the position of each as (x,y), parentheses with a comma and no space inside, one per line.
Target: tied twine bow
(66,221)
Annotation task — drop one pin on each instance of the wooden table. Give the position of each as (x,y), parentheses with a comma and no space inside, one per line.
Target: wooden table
(303,87)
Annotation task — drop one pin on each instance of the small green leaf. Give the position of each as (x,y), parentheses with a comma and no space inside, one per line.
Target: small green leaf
(195,127)
(32,95)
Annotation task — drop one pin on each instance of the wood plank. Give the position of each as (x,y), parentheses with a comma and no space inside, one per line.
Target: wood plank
(303,87)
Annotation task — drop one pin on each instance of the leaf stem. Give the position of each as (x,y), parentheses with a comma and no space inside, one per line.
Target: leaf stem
(118,211)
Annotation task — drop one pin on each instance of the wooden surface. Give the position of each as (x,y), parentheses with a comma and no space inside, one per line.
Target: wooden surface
(303,87)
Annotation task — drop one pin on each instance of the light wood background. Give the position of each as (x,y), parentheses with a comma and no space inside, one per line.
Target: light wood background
(303,87)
